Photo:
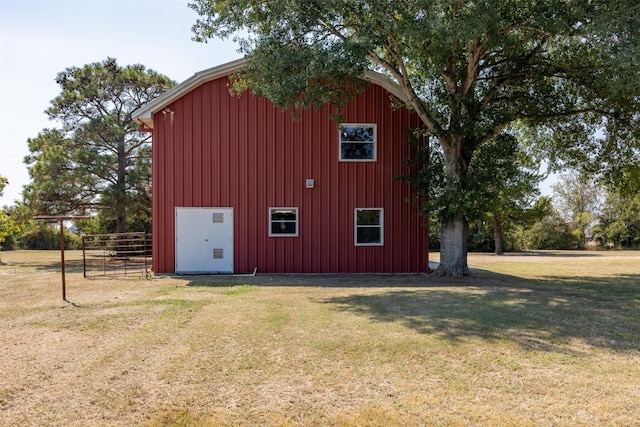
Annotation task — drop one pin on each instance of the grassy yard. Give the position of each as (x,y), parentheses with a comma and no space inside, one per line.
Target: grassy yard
(545,338)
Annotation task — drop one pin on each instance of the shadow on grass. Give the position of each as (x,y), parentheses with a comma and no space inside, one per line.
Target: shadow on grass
(311,280)
(69,265)
(548,314)
(48,265)
(545,315)
(554,254)
(94,268)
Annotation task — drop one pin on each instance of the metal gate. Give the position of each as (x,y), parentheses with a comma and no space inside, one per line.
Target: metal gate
(118,254)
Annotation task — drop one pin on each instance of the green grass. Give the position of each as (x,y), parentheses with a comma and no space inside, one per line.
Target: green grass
(240,290)
(544,338)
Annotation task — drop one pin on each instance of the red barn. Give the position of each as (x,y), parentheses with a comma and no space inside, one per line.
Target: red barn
(239,184)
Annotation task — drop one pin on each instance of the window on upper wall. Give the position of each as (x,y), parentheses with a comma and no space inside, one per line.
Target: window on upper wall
(283,222)
(358,142)
(369,227)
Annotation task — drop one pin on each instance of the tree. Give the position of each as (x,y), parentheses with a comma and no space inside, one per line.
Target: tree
(469,69)
(3,183)
(7,225)
(577,199)
(98,158)
(552,233)
(61,183)
(29,233)
(499,187)
(533,220)
(625,180)
(619,222)
(507,181)
(7,228)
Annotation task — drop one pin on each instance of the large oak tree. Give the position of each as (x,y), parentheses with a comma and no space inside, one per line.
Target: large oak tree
(469,68)
(97,158)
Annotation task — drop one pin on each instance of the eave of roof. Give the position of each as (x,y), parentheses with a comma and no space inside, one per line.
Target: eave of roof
(144,116)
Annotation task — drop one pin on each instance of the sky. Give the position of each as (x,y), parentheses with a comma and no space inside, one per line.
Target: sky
(40,38)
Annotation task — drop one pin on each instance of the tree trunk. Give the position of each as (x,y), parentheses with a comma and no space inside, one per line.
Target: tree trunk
(454,248)
(454,242)
(121,215)
(121,190)
(497,233)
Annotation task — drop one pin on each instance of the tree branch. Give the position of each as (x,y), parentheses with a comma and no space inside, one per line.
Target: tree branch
(516,75)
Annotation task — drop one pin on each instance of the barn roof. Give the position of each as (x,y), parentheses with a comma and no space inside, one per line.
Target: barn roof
(144,115)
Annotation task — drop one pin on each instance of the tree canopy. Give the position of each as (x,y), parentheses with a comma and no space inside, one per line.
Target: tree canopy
(619,222)
(578,200)
(97,158)
(7,225)
(469,69)
(3,183)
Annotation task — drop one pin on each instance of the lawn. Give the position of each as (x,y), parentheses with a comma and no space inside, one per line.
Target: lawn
(544,338)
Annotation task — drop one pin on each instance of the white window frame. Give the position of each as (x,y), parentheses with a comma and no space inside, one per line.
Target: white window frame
(296,222)
(356,226)
(374,142)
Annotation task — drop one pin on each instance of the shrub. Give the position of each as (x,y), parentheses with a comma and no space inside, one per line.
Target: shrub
(44,237)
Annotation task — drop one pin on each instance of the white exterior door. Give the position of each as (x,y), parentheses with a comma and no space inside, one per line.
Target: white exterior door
(204,240)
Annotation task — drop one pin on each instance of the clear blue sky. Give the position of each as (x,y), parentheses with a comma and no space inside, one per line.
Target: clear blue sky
(40,38)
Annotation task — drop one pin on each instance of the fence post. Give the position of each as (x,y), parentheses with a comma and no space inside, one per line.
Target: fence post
(84,258)
(61,220)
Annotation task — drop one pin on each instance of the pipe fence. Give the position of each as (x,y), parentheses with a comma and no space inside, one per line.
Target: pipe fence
(118,254)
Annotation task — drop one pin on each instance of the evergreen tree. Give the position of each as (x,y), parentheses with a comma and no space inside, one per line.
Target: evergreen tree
(98,159)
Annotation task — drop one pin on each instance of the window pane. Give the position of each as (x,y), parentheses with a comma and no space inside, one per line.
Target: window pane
(283,222)
(283,215)
(357,151)
(369,217)
(282,227)
(357,133)
(369,235)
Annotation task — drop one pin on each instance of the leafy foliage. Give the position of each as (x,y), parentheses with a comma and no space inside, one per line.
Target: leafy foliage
(28,233)
(3,183)
(551,232)
(98,159)
(499,187)
(7,227)
(46,237)
(577,199)
(59,185)
(626,178)
(619,223)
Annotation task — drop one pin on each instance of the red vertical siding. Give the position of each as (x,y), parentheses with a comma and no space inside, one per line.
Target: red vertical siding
(219,150)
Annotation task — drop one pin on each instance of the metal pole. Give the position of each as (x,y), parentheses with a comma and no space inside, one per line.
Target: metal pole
(61,219)
(84,258)
(64,285)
